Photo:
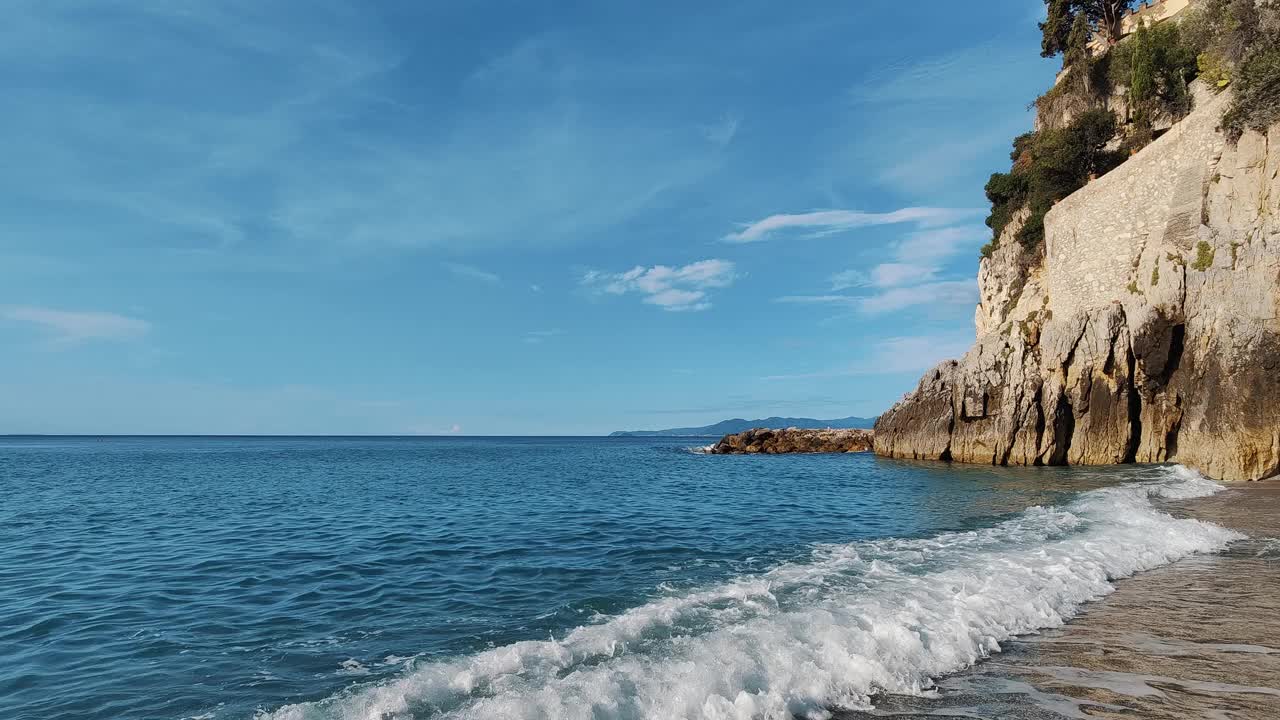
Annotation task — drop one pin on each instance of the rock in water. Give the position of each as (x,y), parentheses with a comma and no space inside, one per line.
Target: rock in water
(1146,329)
(794,440)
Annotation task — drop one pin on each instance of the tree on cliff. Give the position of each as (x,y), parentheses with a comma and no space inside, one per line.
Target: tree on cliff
(1076,56)
(1102,16)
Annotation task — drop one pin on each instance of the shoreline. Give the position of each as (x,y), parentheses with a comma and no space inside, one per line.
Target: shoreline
(1197,638)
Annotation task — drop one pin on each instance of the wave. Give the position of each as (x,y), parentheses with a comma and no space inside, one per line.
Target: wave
(854,620)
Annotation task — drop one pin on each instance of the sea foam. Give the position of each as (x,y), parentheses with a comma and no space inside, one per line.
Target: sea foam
(884,616)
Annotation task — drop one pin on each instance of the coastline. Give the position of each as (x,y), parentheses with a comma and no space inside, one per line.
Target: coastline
(1197,638)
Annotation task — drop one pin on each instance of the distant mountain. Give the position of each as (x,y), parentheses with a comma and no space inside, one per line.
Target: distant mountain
(737,425)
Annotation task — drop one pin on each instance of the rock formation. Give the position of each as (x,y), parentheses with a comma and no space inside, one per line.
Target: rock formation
(1147,328)
(794,440)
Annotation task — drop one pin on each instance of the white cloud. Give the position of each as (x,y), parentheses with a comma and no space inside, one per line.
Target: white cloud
(884,275)
(671,288)
(896,355)
(72,327)
(940,243)
(912,278)
(942,292)
(947,292)
(473,273)
(827,222)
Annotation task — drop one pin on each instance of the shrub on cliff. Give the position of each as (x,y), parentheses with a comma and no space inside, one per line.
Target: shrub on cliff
(1224,30)
(1257,79)
(1257,101)
(1156,65)
(1238,44)
(1048,166)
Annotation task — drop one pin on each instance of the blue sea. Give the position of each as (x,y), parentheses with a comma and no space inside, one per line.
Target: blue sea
(579,578)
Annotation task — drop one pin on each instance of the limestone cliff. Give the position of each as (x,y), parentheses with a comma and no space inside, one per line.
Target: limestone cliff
(1146,329)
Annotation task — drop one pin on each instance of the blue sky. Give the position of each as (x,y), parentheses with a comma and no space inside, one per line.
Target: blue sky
(340,216)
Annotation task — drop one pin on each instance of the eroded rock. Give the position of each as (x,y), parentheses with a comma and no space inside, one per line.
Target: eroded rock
(794,440)
(1148,331)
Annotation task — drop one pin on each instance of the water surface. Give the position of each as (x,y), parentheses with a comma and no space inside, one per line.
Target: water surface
(510,577)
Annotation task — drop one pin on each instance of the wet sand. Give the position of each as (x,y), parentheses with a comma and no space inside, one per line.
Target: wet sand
(1196,639)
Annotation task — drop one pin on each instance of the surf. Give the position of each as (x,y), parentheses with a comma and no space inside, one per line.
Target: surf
(848,623)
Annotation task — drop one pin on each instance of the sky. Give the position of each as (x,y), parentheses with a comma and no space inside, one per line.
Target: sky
(492,218)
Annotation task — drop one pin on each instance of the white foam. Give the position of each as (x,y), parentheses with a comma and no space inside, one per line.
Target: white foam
(856,619)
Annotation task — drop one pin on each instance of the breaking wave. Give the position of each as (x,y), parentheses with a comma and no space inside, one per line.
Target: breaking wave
(854,620)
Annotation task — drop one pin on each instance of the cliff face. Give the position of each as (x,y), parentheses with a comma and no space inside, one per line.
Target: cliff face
(1147,329)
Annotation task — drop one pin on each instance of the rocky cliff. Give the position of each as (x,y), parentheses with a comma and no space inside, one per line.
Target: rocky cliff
(1146,329)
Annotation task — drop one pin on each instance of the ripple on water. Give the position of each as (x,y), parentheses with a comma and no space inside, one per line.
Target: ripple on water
(185,577)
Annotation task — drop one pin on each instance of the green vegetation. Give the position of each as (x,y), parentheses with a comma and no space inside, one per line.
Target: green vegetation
(1156,65)
(1237,44)
(1155,275)
(1213,70)
(1204,256)
(1133,287)
(1101,16)
(1257,100)
(1047,167)
(1227,42)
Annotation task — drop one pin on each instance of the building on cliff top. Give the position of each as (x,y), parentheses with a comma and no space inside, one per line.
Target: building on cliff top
(1147,13)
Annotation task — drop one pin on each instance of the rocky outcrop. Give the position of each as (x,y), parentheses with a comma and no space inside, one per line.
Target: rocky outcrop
(1147,330)
(794,440)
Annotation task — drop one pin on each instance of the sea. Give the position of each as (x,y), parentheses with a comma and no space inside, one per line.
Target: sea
(620,578)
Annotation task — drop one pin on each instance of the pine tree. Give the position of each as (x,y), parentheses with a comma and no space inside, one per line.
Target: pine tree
(1102,16)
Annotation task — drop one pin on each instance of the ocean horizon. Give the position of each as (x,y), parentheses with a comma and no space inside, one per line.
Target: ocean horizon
(955,326)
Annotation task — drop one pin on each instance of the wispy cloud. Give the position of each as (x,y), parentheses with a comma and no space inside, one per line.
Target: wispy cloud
(827,222)
(73,327)
(429,428)
(947,292)
(896,355)
(941,243)
(681,288)
(380,404)
(912,279)
(304,142)
(535,337)
(942,293)
(723,131)
(884,275)
(924,169)
(472,272)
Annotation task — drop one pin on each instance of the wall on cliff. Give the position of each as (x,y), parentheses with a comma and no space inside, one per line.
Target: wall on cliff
(1146,329)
